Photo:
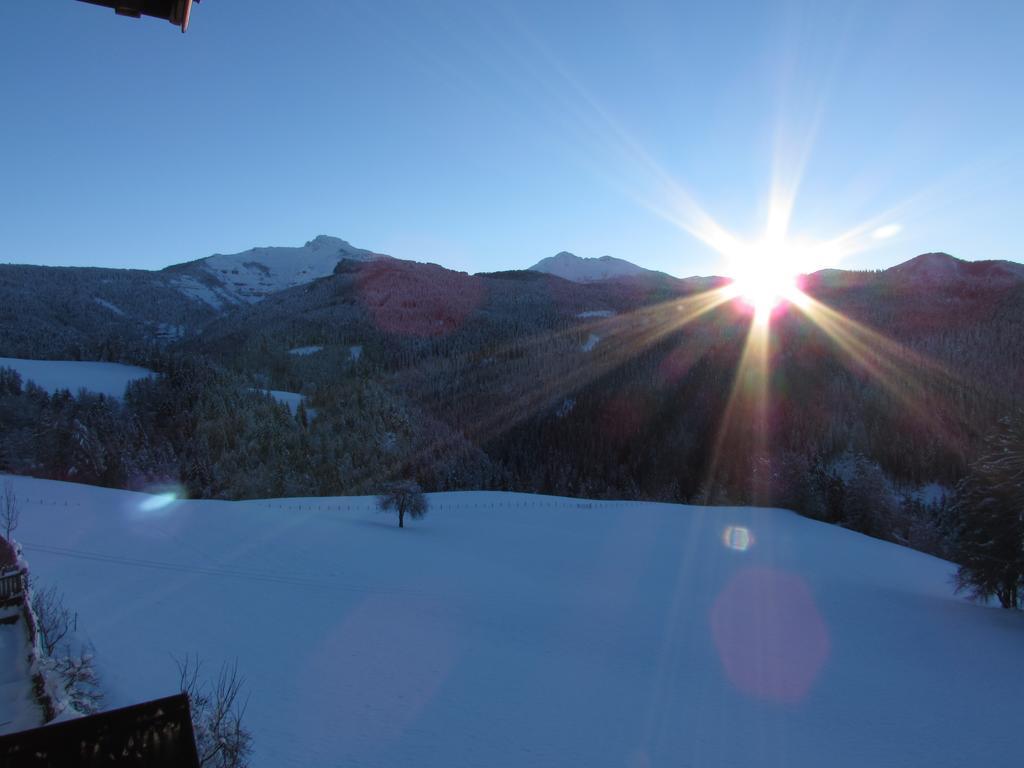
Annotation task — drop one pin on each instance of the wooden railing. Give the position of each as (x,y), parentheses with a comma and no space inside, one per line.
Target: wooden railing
(12,584)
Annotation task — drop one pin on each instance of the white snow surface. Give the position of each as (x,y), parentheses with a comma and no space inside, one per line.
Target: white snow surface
(587,270)
(291,399)
(304,351)
(251,275)
(18,707)
(590,343)
(112,307)
(597,313)
(197,290)
(515,630)
(109,379)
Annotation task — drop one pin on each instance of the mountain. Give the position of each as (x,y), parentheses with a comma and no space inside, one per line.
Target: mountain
(91,313)
(249,276)
(580,270)
(943,268)
(612,387)
(932,270)
(533,368)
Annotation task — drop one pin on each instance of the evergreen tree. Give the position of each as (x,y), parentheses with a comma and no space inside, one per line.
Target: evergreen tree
(869,506)
(990,503)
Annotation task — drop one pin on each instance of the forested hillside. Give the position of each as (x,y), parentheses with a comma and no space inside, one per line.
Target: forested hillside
(627,388)
(87,313)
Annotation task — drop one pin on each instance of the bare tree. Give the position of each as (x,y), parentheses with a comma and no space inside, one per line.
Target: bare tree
(9,512)
(406,497)
(53,618)
(222,741)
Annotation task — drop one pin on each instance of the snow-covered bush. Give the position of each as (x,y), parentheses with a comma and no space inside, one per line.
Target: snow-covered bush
(70,665)
(222,741)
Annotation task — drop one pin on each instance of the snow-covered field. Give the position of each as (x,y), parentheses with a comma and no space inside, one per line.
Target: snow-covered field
(18,707)
(109,379)
(516,630)
(304,351)
(291,399)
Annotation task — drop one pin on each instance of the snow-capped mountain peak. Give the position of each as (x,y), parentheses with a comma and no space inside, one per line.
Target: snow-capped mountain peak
(587,270)
(249,276)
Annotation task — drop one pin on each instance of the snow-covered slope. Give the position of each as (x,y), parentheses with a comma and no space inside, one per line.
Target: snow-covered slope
(291,399)
(110,379)
(512,630)
(250,275)
(580,270)
(18,707)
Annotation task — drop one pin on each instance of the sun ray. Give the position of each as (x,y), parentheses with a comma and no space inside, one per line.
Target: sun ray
(892,364)
(623,337)
(746,409)
(911,378)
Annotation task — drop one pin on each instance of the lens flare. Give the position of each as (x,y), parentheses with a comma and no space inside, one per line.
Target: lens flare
(738,538)
(158,502)
(771,638)
(887,231)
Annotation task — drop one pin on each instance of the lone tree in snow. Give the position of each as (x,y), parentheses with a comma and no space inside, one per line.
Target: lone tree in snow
(990,506)
(9,513)
(407,498)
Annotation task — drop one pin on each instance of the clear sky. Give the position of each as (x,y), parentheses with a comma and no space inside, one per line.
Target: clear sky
(487,135)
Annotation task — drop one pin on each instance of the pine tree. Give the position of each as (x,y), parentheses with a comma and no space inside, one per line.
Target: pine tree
(868,505)
(990,504)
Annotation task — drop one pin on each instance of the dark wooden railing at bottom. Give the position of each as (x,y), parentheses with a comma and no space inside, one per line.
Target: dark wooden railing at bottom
(155,734)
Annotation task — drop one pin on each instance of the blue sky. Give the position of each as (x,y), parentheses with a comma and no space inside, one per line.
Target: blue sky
(488,135)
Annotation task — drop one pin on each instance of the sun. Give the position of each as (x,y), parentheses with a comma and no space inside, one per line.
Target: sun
(766,275)
(763,290)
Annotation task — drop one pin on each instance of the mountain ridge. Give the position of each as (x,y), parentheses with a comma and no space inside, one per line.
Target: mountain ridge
(223,280)
(249,276)
(587,270)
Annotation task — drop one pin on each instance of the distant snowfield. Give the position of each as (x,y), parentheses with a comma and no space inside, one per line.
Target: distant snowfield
(112,307)
(291,399)
(516,630)
(109,379)
(590,343)
(194,289)
(304,351)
